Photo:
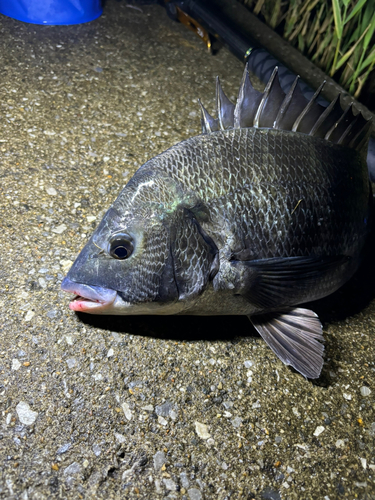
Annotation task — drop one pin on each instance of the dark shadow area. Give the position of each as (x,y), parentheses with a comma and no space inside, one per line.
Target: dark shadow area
(175,327)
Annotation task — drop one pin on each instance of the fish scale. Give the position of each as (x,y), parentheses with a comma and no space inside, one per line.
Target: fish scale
(310,185)
(266,210)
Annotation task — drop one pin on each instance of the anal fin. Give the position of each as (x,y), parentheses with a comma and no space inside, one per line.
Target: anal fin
(294,337)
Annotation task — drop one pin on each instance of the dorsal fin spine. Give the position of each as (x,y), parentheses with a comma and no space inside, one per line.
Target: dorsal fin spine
(247,102)
(307,108)
(347,130)
(285,104)
(225,108)
(357,140)
(265,96)
(240,98)
(324,115)
(337,123)
(206,119)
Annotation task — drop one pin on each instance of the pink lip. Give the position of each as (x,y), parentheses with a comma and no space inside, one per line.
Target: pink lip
(81,304)
(89,298)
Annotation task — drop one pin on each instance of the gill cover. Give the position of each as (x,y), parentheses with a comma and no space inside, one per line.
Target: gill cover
(195,255)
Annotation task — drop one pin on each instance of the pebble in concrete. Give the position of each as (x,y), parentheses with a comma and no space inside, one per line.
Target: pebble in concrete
(365,391)
(159,460)
(16,365)
(194,494)
(25,414)
(73,468)
(202,430)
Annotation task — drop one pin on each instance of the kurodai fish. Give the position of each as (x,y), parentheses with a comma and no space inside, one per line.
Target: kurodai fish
(267,209)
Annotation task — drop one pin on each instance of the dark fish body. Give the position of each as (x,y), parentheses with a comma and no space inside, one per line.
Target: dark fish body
(266,210)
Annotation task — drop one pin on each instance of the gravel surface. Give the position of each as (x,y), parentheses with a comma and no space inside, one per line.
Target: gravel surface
(147,407)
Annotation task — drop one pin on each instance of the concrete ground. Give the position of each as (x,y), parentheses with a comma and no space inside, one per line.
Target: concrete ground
(144,407)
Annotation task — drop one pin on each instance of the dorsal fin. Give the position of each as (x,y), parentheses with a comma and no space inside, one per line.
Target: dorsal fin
(225,108)
(338,128)
(362,136)
(346,133)
(267,90)
(329,116)
(247,103)
(284,108)
(272,99)
(209,124)
(309,115)
(274,109)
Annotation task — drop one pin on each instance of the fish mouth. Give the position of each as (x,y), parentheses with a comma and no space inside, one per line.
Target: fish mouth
(89,298)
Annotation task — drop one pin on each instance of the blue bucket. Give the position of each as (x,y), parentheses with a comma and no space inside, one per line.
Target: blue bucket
(52,11)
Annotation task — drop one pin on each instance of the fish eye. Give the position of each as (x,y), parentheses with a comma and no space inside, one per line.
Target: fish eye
(120,246)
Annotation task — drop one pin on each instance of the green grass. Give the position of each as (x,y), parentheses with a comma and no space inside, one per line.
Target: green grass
(337,35)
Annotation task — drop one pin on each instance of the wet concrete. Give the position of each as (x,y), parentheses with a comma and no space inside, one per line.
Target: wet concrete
(174,407)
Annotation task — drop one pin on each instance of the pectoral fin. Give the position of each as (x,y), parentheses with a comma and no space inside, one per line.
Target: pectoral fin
(274,283)
(294,337)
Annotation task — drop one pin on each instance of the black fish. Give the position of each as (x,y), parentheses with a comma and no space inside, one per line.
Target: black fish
(266,210)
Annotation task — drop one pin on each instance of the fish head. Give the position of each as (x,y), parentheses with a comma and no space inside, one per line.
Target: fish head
(147,256)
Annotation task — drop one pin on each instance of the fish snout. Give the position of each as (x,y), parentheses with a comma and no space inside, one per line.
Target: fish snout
(89,298)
